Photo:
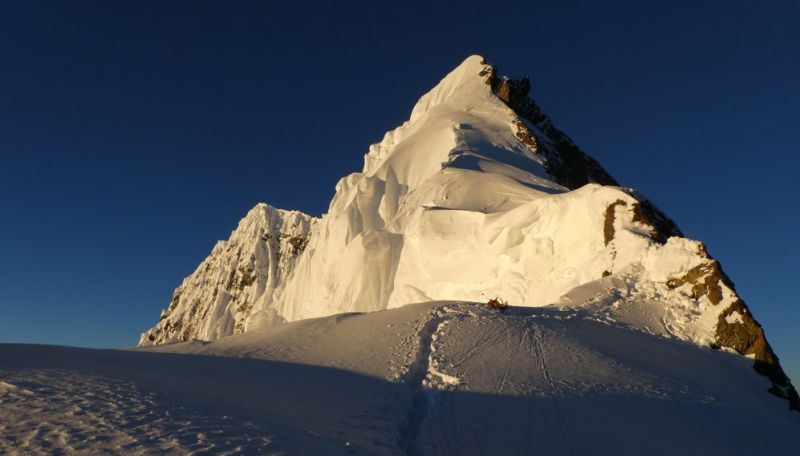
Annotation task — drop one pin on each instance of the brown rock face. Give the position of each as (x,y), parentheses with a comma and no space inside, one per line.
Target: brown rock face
(572,168)
(746,336)
(736,327)
(644,212)
(298,243)
(608,224)
(564,160)
(705,280)
(662,227)
(511,91)
(525,135)
(247,277)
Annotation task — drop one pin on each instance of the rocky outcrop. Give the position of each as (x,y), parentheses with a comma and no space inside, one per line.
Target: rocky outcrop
(646,212)
(736,327)
(564,160)
(240,275)
(705,279)
(572,168)
(608,224)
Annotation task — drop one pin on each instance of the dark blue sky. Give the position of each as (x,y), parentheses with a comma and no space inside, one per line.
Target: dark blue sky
(134,135)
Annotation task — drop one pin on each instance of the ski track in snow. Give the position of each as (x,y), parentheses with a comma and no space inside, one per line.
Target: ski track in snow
(538,353)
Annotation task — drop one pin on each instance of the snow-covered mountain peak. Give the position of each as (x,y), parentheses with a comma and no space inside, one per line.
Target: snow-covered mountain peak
(477,195)
(459,90)
(450,120)
(474,119)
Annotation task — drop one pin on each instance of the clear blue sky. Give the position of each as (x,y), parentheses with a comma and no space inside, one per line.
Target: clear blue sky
(133,135)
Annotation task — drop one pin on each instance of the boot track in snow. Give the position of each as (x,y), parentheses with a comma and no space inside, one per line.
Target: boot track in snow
(415,378)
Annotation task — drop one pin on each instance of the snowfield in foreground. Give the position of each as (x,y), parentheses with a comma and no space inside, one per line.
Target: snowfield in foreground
(430,378)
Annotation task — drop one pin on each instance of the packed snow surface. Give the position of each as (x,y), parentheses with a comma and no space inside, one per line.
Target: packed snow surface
(430,378)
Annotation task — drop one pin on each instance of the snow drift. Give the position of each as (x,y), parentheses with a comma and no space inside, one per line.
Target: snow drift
(477,195)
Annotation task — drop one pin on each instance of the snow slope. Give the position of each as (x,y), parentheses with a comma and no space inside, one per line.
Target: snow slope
(429,378)
(477,195)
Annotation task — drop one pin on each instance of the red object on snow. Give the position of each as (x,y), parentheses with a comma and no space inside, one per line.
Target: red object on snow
(497,303)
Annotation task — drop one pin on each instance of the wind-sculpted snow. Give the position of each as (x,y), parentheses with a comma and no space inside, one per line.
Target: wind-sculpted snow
(452,186)
(476,196)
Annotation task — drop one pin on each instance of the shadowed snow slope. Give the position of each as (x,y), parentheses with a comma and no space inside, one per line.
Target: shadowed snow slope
(430,378)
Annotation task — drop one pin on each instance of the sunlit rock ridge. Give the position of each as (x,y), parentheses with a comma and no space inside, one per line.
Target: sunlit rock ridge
(477,195)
